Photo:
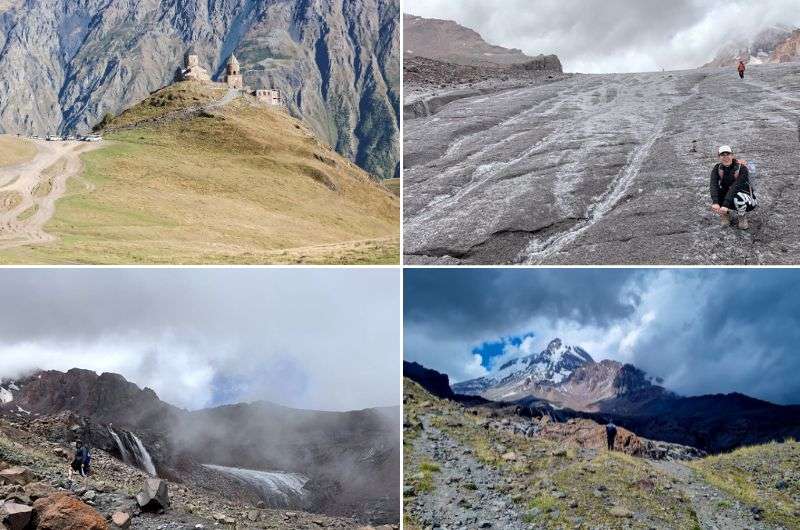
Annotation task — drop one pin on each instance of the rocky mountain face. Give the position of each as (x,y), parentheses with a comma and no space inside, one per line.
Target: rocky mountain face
(447,41)
(563,384)
(339,463)
(776,44)
(434,382)
(336,62)
(564,375)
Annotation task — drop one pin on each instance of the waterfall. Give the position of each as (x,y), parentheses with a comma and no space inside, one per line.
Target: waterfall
(133,451)
(143,457)
(276,488)
(126,456)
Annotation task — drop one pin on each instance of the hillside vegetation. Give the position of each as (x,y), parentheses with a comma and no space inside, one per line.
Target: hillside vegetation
(467,466)
(233,183)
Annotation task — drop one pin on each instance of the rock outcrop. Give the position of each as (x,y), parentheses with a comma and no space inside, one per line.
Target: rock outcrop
(776,44)
(337,62)
(445,40)
(154,495)
(434,382)
(62,511)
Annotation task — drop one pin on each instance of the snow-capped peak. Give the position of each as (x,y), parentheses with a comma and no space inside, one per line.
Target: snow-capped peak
(552,365)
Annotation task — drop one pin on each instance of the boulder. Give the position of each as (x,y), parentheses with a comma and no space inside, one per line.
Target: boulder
(60,452)
(61,511)
(121,520)
(16,516)
(16,475)
(37,490)
(154,496)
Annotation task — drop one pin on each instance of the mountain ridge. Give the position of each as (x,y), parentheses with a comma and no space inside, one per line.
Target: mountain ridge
(351,458)
(336,62)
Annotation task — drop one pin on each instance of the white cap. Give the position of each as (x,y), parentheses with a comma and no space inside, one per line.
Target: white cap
(725,149)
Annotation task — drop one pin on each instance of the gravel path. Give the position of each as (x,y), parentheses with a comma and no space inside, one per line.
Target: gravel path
(715,510)
(465,492)
(603,169)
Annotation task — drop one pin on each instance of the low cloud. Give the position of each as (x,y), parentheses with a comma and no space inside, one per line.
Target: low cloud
(311,338)
(614,35)
(702,331)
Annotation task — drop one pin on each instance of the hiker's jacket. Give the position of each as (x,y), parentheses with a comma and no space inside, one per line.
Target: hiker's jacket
(82,455)
(741,67)
(725,189)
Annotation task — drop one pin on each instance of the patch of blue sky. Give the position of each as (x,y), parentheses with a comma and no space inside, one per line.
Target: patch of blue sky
(495,348)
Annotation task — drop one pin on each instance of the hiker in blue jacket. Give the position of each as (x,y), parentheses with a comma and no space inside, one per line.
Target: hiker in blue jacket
(731,189)
(80,463)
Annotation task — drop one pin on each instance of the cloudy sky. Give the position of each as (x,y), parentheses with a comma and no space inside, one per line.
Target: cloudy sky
(702,330)
(324,339)
(596,36)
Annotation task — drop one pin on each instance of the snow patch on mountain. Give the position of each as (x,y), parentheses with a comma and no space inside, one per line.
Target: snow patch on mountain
(552,366)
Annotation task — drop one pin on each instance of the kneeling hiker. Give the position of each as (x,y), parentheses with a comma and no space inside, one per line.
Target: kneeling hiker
(730,188)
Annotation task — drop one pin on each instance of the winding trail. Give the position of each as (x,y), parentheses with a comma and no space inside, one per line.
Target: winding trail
(602,169)
(29,191)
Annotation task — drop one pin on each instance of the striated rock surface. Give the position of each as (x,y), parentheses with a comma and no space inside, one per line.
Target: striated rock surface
(337,62)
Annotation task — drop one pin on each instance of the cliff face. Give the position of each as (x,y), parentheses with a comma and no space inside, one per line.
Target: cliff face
(445,40)
(337,62)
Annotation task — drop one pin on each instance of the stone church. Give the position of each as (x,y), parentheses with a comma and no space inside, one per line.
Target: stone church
(192,71)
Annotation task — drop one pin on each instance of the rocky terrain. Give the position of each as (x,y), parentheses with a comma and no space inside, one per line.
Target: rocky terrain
(484,467)
(564,375)
(601,169)
(444,62)
(776,44)
(336,62)
(448,41)
(38,492)
(344,465)
(564,383)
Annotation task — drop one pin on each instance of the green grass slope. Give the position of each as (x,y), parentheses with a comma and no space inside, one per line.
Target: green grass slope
(241,183)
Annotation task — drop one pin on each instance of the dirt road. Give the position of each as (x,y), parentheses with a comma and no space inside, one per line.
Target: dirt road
(603,169)
(28,192)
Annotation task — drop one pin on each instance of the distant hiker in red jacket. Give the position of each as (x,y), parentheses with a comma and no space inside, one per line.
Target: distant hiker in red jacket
(741,69)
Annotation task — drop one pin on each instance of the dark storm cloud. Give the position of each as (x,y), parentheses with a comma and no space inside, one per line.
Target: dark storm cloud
(312,338)
(703,331)
(614,35)
(481,300)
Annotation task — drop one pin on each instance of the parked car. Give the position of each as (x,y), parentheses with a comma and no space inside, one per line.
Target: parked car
(92,138)
(54,138)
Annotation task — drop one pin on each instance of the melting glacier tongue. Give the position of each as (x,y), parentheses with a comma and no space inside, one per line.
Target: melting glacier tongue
(277,489)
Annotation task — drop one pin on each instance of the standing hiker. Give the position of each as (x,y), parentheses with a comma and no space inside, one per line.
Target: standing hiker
(741,69)
(611,433)
(731,189)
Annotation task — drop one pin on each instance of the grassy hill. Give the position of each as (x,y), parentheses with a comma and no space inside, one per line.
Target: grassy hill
(239,183)
(473,456)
